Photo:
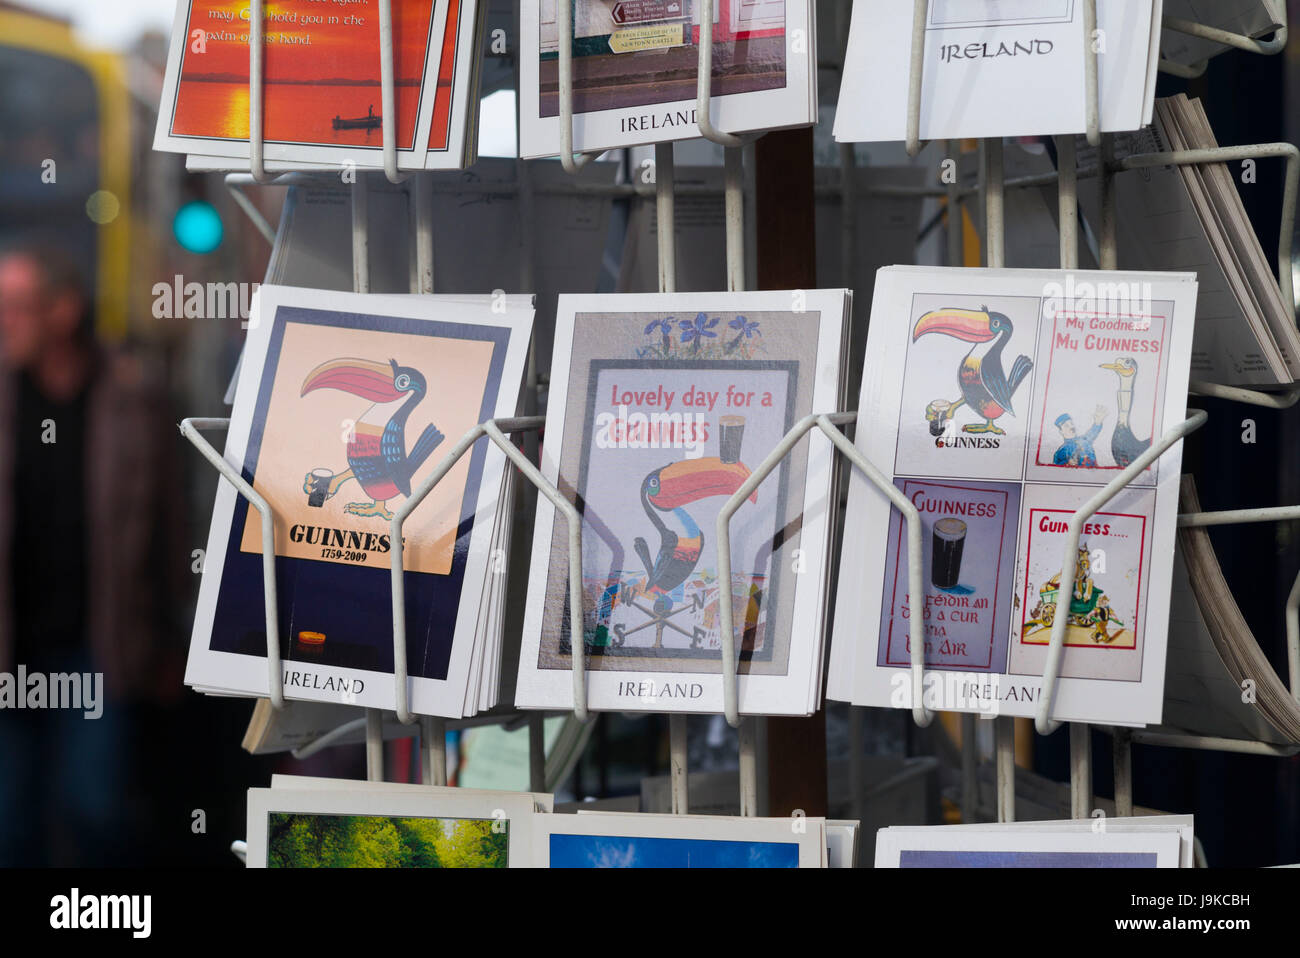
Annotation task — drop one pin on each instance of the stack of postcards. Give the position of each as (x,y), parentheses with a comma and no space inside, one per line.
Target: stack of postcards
(661,407)
(635,70)
(322,98)
(1000,401)
(345,405)
(1010,68)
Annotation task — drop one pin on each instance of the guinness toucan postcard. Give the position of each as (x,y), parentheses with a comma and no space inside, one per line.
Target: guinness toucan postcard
(1000,402)
(322,97)
(995,68)
(345,403)
(636,63)
(661,406)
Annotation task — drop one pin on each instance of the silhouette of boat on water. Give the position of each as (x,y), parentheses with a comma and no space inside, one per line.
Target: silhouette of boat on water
(368,122)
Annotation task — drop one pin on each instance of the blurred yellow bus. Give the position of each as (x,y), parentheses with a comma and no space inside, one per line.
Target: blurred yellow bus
(65,155)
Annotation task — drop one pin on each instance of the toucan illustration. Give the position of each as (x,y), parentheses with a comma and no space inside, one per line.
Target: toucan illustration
(1125,446)
(376,448)
(985,387)
(666,491)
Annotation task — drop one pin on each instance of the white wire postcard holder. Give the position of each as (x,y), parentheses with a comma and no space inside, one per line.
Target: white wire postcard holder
(991,191)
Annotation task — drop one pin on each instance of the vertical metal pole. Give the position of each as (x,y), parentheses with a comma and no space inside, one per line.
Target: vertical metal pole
(361,284)
(1123,749)
(537,752)
(1004,747)
(564,27)
(748,767)
(994,217)
(1109,252)
(374,745)
(256,86)
(734,189)
(388,91)
(916,67)
(360,235)
(956,224)
(433,738)
(734,199)
(1080,770)
(423,196)
(665,215)
(970,758)
(1068,201)
(1092,88)
(1068,213)
(677,763)
(994,190)
(433,730)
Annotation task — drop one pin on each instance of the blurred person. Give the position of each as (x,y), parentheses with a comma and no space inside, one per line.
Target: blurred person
(87,500)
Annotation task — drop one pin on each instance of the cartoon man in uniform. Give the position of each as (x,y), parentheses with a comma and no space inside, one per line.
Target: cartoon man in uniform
(1077,450)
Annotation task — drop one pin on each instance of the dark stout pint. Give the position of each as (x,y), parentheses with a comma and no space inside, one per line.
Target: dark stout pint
(320,487)
(731,433)
(949,539)
(940,408)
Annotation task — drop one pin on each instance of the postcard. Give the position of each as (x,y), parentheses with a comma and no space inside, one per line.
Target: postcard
(661,406)
(345,403)
(962,847)
(1001,402)
(388,828)
(542,801)
(1180,825)
(322,97)
(635,69)
(617,840)
(995,68)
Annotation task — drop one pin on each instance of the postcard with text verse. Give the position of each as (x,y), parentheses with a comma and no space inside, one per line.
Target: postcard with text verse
(1001,402)
(321,90)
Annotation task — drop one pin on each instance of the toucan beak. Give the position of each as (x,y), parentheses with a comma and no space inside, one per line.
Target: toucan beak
(360,377)
(969,325)
(1116,367)
(693,479)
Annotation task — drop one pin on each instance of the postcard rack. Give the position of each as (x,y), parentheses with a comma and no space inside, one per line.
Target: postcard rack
(991,191)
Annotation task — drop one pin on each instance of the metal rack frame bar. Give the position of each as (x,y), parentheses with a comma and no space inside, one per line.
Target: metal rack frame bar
(827,423)
(190,430)
(704,86)
(494,430)
(1043,721)
(257,87)
(1237,41)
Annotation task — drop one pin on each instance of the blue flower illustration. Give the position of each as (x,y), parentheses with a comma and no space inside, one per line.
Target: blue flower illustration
(745,330)
(665,327)
(695,331)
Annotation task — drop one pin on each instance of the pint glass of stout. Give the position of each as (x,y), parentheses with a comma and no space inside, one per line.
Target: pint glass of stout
(320,487)
(731,433)
(949,539)
(938,412)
